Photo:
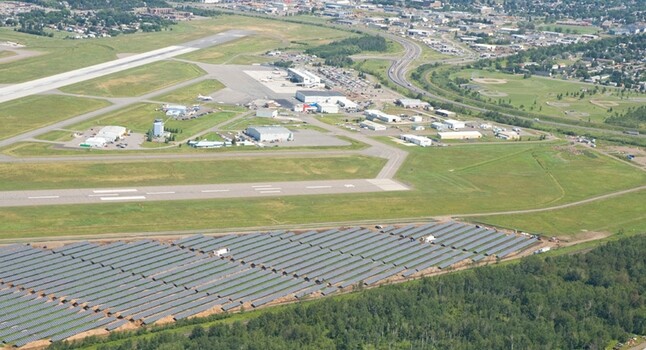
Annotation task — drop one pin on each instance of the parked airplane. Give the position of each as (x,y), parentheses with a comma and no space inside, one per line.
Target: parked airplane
(204,98)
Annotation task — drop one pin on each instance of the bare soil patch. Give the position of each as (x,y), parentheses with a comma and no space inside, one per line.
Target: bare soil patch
(584,236)
(604,104)
(557,104)
(490,81)
(492,93)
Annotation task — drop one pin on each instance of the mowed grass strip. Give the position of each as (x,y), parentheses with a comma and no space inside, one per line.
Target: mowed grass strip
(146,173)
(247,46)
(625,213)
(33,112)
(56,135)
(515,176)
(140,117)
(446,180)
(188,95)
(137,81)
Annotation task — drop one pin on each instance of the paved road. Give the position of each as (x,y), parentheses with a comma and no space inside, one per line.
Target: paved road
(157,193)
(55,81)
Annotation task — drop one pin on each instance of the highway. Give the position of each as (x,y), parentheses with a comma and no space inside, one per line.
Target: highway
(185,192)
(399,69)
(16,91)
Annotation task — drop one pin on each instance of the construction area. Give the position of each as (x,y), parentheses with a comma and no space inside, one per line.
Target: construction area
(86,288)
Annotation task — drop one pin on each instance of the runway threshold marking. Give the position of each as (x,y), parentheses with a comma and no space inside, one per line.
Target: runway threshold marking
(116,191)
(213,191)
(43,197)
(122,198)
(315,187)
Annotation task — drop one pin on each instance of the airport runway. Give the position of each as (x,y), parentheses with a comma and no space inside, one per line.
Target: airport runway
(219,191)
(37,86)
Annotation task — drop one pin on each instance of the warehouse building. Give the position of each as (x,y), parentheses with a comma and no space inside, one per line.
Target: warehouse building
(269,133)
(454,124)
(445,113)
(315,96)
(508,135)
(372,114)
(416,139)
(327,107)
(94,142)
(412,103)
(112,133)
(303,77)
(366,124)
(459,135)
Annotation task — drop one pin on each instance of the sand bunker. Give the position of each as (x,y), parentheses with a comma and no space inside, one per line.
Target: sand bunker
(491,93)
(490,81)
(604,104)
(557,104)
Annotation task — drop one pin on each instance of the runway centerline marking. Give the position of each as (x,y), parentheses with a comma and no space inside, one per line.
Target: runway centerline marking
(103,195)
(122,198)
(261,186)
(263,192)
(213,191)
(43,197)
(116,191)
(161,192)
(315,187)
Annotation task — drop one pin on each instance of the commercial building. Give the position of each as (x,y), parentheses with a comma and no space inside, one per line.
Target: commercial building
(445,113)
(112,133)
(269,133)
(438,125)
(459,135)
(348,105)
(175,110)
(315,96)
(206,144)
(416,119)
(158,128)
(418,140)
(412,103)
(508,135)
(372,125)
(266,113)
(454,124)
(327,107)
(94,142)
(372,114)
(303,77)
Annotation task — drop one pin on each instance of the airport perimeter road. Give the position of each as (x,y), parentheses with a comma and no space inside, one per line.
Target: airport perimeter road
(33,87)
(165,193)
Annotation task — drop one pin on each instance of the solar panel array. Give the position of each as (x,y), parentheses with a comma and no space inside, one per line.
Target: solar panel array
(57,293)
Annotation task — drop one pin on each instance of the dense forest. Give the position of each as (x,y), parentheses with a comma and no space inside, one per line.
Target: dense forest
(580,301)
(633,118)
(337,53)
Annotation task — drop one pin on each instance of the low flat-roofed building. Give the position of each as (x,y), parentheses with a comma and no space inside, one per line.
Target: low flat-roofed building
(269,133)
(372,114)
(316,96)
(112,133)
(94,142)
(327,107)
(367,124)
(303,77)
(454,124)
(412,103)
(416,139)
(459,135)
(508,135)
(266,113)
(445,113)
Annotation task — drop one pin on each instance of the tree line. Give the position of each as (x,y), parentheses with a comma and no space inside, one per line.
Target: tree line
(337,53)
(580,301)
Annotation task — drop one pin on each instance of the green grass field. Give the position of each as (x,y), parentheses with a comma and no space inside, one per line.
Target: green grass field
(570,29)
(137,81)
(539,95)
(33,112)
(188,95)
(243,51)
(56,135)
(15,176)
(446,180)
(63,55)
(5,53)
(626,213)
(139,118)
